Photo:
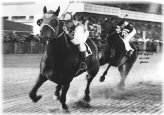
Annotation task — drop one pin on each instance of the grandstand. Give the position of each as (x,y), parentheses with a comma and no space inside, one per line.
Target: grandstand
(148,23)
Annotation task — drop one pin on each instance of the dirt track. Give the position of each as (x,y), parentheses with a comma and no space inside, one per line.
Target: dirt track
(143,92)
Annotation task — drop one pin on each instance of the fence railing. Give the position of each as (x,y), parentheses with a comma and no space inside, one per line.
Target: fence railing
(22,47)
(37,48)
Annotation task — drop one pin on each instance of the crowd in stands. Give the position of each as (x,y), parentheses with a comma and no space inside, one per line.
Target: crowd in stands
(10,36)
(152,30)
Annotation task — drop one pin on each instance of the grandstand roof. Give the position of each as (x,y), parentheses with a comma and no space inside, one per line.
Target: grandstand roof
(153,8)
(115,11)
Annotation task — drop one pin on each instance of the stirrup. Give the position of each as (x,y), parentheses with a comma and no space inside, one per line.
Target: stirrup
(83,66)
(129,53)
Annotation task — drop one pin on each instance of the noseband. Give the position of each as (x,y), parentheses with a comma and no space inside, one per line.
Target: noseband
(53,37)
(48,26)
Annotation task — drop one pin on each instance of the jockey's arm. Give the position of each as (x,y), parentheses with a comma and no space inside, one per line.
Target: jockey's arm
(118,29)
(131,34)
(70,36)
(79,32)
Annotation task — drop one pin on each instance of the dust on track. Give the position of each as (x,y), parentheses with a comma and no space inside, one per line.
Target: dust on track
(143,92)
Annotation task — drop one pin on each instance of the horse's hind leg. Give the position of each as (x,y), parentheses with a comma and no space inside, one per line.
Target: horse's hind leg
(65,88)
(124,70)
(57,92)
(91,74)
(102,78)
(41,79)
(87,91)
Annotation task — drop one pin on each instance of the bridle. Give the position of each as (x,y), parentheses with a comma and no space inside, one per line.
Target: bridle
(53,37)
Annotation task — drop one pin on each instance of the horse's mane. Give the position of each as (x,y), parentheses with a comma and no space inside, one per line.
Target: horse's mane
(61,24)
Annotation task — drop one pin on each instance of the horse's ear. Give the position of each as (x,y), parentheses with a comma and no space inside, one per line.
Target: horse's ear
(44,9)
(57,11)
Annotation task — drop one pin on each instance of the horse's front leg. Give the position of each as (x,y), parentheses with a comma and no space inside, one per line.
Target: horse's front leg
(65,88)
(87,91)
(102,78)
(124,70)
(57,92)
(41,79)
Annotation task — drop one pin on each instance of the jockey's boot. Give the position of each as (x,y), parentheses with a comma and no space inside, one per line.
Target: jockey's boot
(83,64)
(129,53)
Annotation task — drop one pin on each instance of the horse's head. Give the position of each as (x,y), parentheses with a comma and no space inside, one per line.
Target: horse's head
(49,23)
(107,27)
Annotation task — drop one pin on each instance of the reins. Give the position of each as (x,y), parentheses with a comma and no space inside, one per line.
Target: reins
(58,36)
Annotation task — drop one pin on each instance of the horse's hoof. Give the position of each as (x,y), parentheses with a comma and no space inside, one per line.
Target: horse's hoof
(102,78)
(87,98)
(64,106)
(35,98)
(65,111)
(59,111)
(120,88)
(82,104)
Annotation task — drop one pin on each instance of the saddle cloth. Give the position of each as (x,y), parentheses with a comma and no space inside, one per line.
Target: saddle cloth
(88,51)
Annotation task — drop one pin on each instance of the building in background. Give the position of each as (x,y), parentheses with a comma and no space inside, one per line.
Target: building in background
(29,11)
(22,12)
(147,17)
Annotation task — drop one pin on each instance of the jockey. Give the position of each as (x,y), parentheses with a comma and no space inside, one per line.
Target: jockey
(126,31)
(77,31)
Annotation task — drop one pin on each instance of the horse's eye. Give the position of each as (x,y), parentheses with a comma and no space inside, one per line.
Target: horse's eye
(54,22)
(39,22)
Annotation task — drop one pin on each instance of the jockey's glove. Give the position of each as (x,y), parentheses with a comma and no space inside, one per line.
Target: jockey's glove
(65,30)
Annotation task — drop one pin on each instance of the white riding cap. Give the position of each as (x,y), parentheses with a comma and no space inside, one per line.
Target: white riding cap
(126,23)
(66,16)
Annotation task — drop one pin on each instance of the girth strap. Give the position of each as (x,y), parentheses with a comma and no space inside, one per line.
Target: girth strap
(66,40)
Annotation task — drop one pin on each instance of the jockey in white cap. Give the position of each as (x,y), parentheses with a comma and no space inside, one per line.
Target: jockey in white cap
(78,35)
(126,32)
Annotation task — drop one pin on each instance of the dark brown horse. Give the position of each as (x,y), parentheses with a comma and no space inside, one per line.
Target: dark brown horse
(114,53)
(61,61)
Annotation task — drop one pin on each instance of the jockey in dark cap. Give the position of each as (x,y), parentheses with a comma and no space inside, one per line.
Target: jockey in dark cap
(126,31)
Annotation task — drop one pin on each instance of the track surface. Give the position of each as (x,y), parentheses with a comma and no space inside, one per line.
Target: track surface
(143,92)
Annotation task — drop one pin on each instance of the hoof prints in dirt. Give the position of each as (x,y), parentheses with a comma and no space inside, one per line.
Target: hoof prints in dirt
(79,104)
(140,98)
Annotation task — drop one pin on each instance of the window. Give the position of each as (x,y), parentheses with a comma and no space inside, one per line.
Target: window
(31,17)
(18,17)
(6,17)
